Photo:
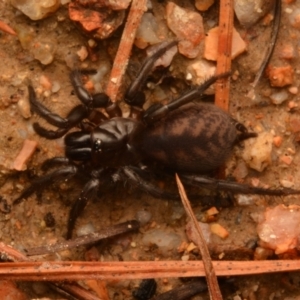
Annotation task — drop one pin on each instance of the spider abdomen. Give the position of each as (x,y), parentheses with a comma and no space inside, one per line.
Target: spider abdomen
(197,138)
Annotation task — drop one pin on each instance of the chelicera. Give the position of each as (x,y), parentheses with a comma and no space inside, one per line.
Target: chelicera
(185,136)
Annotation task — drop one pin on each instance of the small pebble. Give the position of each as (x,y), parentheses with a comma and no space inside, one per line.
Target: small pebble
(219,230)
(293,90)
(19,78)
(280,76)
(46,94)
(294,124)
(187,25)
(249,12)
(82,53)
(277,141)
(24,107)
(36,10)
(182,247)
(26,152)
(292,105)
(287,183)
(98,23)
(143,217)
(164,60)
(92,43)
(71,59)
(211,44)
(212,211)
(199,71)
(287,159)
(165,241)
(255,181)
(191,234)
(287,52)
(89,85)
(45,82)
(44,52)
(280,228)
(262,253)
(279,97)
(288,10)
(55,87)
(245,200)
(191,247)
(85,229)
(147,33)
(295,18)
(204,5)
(241,170)
(177,212)
(257,152)
(188,76)
(185,257)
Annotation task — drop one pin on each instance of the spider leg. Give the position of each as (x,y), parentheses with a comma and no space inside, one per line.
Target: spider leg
(75,116)
(45,180)
(44,112)
(132,174)
(157,112)
(96,101)
(134,96)
(88,192)
(235,187)
(52,162)
(99,100)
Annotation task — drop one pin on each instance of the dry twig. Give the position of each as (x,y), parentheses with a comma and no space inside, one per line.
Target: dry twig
(9,253)
(86,239)
(138,7)
(224,53)
(77,270)
(212,282)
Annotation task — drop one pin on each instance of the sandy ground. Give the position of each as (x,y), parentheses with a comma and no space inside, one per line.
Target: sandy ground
(25,227)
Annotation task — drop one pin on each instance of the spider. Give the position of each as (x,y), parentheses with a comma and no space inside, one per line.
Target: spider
(185,136)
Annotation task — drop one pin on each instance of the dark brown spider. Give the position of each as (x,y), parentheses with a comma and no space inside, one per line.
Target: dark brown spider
(187,137)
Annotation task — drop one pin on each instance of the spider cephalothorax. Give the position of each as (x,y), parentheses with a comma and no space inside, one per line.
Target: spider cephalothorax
(187,137)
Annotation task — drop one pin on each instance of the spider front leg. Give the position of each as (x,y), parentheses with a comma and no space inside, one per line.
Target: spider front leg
(43,181)
(99,100)
(75,116)
(88,192)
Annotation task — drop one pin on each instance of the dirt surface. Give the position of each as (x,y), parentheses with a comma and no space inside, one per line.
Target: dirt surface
(25,226)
